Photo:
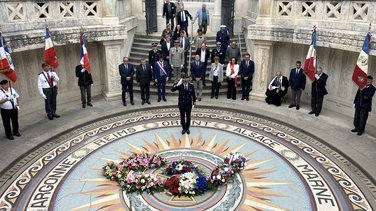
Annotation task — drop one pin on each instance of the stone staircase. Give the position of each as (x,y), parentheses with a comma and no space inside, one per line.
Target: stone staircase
(142,44)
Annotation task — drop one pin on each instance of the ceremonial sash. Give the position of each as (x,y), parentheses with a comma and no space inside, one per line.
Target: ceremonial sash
(232,72)
(164,71)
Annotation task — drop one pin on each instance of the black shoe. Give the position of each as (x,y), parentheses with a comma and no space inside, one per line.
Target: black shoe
(18,134)
(164,99)
(228,97)
(359,133)
(311,112)
(292,105)
(243,98)
(211,97)
(143,102)
(159,100)
(10,137)
(187,131)
(354,130)
(56,116)
(132,103)
(83,106)
(297,107)
(247,98)
(234,98)
(199,99)
(148,102)
(317,114)
(182,132)
(50,117)
(89,104)
(216,97)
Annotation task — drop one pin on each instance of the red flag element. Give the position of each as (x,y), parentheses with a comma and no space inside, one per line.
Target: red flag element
(84,55)
(49,51)
(361,69)
(310,62)
(6,64)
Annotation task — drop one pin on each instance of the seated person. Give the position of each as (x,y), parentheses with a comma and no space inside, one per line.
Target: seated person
(277,89)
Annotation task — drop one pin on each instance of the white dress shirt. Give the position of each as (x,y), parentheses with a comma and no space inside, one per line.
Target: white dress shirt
(13,96)
(43,81)
(202,56)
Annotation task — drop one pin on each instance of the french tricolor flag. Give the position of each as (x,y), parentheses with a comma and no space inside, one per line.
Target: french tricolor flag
(49,51)
(6,64)
(361,69)
(310,62)
(84,56)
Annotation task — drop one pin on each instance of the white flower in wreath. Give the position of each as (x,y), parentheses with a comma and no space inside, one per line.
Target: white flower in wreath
(223,180)
(142,181)
(219,176)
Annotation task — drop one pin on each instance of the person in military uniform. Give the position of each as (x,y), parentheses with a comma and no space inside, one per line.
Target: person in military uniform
(126,72)
(9,104)
(161,73)
(176,59)
(154,54)
(223,37)
(84,82)
(318,91)
(187,99)
(47,87)
(363,105)
(218,52)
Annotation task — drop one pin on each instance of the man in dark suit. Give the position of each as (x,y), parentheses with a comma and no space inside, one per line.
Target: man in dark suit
(187,99)
(182,18)
(184,43)
(204,57)
(363,105)
(297,83)
(167,44)
(169,10)
(161,73)
(318,91)
(84,82)
(197,73)
(246,70)
(144,75)
(126,72)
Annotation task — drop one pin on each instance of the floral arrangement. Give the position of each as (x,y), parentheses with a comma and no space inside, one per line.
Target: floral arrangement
(236,161)
(183,177)
(221,175)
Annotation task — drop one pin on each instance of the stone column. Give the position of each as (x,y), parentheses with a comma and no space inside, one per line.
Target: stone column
(112,59)
(216,17)
(109,12)
(265,12)
(161,21)
(263,55)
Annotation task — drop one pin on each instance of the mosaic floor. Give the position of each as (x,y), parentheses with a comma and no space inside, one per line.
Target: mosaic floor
(285,170)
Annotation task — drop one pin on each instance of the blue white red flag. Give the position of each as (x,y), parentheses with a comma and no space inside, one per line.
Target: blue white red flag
(6,64)
(310,62)
(361,69)
(84,55)
(49,51)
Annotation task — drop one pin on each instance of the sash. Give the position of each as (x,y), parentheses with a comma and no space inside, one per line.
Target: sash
(50,82)
(160,66)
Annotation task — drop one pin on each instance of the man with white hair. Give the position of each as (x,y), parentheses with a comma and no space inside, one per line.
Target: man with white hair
(203,18)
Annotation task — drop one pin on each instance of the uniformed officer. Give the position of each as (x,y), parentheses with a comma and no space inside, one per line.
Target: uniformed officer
(187,99)
(223,37)
(154,54)
(47,87)
(176,59)
(9,109)
(218,52)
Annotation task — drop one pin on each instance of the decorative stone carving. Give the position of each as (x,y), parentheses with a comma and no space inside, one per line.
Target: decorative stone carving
(90,9)
(309,9)
(66,9)
(284,8)
(333,9)
(15,12)
(42,10)
(359,11)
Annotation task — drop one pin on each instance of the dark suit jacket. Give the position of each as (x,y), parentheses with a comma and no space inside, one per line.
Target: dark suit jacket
(165,50)
(84,79)
(297,81)
(220,54)
(245,71)
(197,71)
(318,86)
(180,21)
(186,97)
(165,10)
(157,70)
(154,56)
(207,54)
(144,77)
(124,73)
(363,99)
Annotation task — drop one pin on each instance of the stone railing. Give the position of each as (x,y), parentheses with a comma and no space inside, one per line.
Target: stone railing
(340,24)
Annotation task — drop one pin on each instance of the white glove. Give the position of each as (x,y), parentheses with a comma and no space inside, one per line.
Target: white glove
(181,66)
(9,98)
(317,76)
(18,108)
(180,82)
(283,88)
(44,96)
(83,70)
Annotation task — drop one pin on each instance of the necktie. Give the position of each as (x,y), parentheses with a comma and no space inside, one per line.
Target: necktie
(197,64)
(183,16)
(247,63)
(186,87)
(49,80)
(297,71)
(143,66)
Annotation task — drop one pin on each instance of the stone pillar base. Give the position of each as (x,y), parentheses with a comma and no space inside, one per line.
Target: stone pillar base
(109,96)
(110,21)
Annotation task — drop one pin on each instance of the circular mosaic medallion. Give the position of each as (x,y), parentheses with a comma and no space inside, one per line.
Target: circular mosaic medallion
(283,171)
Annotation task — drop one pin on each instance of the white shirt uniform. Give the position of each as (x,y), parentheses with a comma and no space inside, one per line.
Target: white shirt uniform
(43,81)
(13,97)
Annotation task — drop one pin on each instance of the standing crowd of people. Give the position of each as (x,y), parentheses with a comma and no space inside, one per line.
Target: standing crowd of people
(170,63)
